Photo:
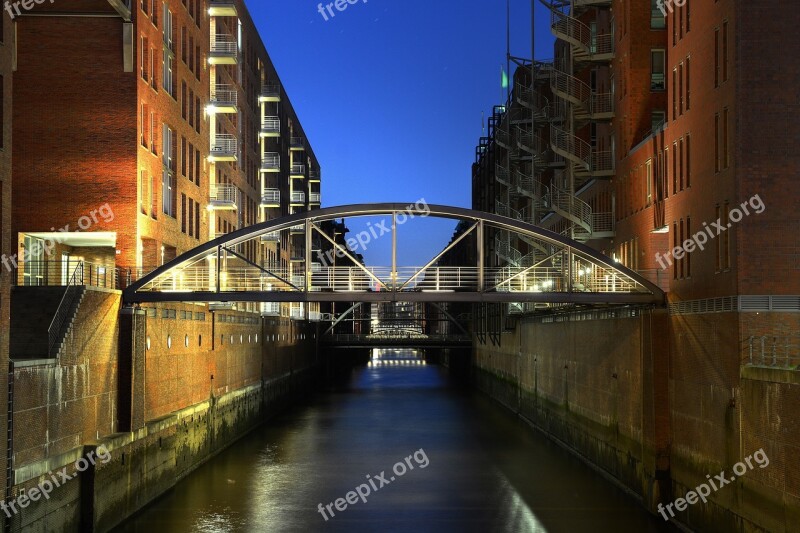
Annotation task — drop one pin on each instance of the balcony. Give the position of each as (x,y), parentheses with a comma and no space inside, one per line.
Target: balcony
(271,237)
(297,143)
(224,50)
(223,8)
(224,197)
(270,198)
(270,309)
(271,162)
(270,93)
(297,171)
(224,99)
(224,148)
(314,176)
(297,312)
(299,228)
(298,198)
(271,127)
(314,198)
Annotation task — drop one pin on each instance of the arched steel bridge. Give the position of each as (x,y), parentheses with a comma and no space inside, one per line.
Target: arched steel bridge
(563,271)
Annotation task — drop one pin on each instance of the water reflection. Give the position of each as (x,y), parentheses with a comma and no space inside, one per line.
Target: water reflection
(487,472)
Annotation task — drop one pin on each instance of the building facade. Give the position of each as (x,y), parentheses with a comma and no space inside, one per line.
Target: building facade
(142,129)
(660,136)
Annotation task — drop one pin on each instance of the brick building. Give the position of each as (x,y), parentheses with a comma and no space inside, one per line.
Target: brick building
(142,129)
(647,128)
(6,73)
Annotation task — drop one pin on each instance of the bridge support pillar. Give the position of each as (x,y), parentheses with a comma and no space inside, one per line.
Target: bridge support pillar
(131,369)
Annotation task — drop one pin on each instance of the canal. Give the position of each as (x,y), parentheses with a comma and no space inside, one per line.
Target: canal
(465,464)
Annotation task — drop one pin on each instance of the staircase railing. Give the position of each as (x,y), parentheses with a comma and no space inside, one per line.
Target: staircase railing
(62,314)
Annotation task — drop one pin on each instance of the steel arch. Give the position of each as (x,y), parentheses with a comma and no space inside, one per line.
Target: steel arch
(166,284)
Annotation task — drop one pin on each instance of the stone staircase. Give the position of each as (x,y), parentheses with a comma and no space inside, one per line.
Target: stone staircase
(32,312)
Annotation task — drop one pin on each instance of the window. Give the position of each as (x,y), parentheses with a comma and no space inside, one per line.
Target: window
(688,257)
(183,213)
(143,198)
(153,198)
(675,168)
(680,89)
(184,156)
(675,94)
(716,143)
(191,217)
(723,240)
(168,184)
(657,70)
(682,260)
(145,59)
(688,87)
(688,161)
(726,157)
(725,51)
(716,57)
(675,245)
(168,81)
(648,176)
(153,61)
(658,20)
(680,163)
(197,115)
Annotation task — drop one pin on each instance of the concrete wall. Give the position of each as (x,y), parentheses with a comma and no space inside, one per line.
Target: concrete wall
(657,403)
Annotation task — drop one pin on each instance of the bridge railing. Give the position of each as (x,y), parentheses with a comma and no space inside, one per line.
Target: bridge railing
(546,278)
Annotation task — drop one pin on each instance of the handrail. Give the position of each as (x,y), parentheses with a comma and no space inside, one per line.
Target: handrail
(57,324)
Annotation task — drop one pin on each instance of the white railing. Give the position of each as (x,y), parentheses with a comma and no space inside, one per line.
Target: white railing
(297,142)
(546,276)
(314,197)
(270,309)
(298,169)
(271,237)
(224,143)
(224,44)
(271,161)
(271,124)
(271,196)
(223,94)
(223,194)
(298,197)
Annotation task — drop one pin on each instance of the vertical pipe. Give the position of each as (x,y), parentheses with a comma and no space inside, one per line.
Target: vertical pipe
(394,250)
(480,256)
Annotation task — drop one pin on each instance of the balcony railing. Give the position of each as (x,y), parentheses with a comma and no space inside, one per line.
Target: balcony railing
(271,237)
(297,143)
(271,126)
(270,309)
(223,196)
(271,92)
(271,162)
(224,49)
(224,98)
(224,146)
(271,197)
(314,175)
(298,197)
(298,170)
(314,197)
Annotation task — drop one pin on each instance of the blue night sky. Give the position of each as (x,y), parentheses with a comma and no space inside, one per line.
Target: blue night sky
(390,94)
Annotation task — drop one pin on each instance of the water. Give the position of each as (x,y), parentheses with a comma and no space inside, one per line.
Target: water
(476,468)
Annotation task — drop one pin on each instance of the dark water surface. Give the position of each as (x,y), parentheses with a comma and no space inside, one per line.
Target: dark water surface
(486,471)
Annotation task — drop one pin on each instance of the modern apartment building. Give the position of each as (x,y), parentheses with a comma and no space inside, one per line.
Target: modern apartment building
(168,113)
(646,129)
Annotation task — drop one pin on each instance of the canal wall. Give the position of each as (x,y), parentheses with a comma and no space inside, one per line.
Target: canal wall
(161,390)
(657,402)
